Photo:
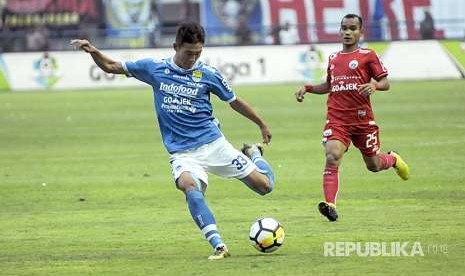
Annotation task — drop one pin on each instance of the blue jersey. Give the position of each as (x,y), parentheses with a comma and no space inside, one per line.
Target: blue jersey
(182,100)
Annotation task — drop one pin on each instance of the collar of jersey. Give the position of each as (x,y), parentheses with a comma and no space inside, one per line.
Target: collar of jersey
(345,53)
(176,67)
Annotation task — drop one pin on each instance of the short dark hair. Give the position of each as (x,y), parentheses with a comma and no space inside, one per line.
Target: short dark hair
(353,15)
(190,32)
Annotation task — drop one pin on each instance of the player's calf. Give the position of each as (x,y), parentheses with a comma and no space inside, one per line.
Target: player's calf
(373,167)
(262,180)
(379,162)
(258,183)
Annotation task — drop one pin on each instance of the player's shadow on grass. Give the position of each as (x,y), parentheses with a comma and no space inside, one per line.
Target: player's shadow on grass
(264,255)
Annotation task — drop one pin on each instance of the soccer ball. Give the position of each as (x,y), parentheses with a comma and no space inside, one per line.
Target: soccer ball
(266,235)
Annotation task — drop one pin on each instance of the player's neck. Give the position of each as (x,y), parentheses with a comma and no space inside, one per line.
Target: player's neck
(178,64)
(349,48)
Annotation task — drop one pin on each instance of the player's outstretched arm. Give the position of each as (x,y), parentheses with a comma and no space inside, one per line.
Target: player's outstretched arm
(247,111)
(322,88)
(105,63)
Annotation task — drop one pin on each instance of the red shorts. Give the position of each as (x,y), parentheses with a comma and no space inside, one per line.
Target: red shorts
(364,137)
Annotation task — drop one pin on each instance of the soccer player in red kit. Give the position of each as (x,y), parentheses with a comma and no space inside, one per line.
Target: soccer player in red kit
(353,75)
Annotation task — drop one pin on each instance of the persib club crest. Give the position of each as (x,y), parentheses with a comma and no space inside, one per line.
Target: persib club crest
(197,75)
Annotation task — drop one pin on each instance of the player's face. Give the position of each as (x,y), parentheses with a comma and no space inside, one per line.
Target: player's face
(350,32)
(187,54)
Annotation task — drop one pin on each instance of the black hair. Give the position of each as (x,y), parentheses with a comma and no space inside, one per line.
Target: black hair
(353,15)
(190,32)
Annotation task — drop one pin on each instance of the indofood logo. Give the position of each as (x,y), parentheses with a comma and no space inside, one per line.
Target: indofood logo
(178,89)
(46,71)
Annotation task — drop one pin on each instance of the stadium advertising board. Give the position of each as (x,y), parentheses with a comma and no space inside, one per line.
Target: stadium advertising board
(4,84)
(240,65)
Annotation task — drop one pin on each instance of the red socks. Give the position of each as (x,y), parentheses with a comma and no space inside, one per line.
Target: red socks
(331,183)
(331,176)
(386,161)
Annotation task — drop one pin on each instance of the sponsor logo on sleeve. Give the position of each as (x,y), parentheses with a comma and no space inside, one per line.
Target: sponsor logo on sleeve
(226,85)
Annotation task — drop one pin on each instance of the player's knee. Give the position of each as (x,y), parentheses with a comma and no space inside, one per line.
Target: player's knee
(332,159)
(186,186)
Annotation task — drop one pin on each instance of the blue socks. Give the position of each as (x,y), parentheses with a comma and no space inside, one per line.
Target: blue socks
(263,167)
(203,217)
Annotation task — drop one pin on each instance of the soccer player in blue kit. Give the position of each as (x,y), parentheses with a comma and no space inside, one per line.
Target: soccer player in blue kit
(181,87)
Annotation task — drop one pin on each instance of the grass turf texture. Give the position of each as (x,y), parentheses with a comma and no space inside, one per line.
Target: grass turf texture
(455,50)
(85,187)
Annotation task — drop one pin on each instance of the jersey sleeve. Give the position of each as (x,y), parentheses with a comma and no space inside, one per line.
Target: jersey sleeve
(220,87)
(376,66)
(139,69)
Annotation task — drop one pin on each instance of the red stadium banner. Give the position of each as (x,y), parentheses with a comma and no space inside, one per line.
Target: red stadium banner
(18,14)
(318,20)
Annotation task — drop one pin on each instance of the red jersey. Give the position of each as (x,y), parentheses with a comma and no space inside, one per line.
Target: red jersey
(345,72)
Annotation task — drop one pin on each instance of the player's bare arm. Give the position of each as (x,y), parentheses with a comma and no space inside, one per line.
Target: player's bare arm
(369,88)
(322,88)
(246,110)
(105,63)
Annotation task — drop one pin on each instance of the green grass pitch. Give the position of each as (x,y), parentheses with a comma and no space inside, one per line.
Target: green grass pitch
(86,188)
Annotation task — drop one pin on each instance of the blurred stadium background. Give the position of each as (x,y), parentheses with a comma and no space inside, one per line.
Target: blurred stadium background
(151,23)
(281,41)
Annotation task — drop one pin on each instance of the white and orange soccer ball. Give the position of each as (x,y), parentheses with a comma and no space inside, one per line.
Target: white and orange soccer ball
(266,235)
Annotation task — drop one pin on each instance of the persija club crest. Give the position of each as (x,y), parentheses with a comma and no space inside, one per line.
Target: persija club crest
(353,64)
